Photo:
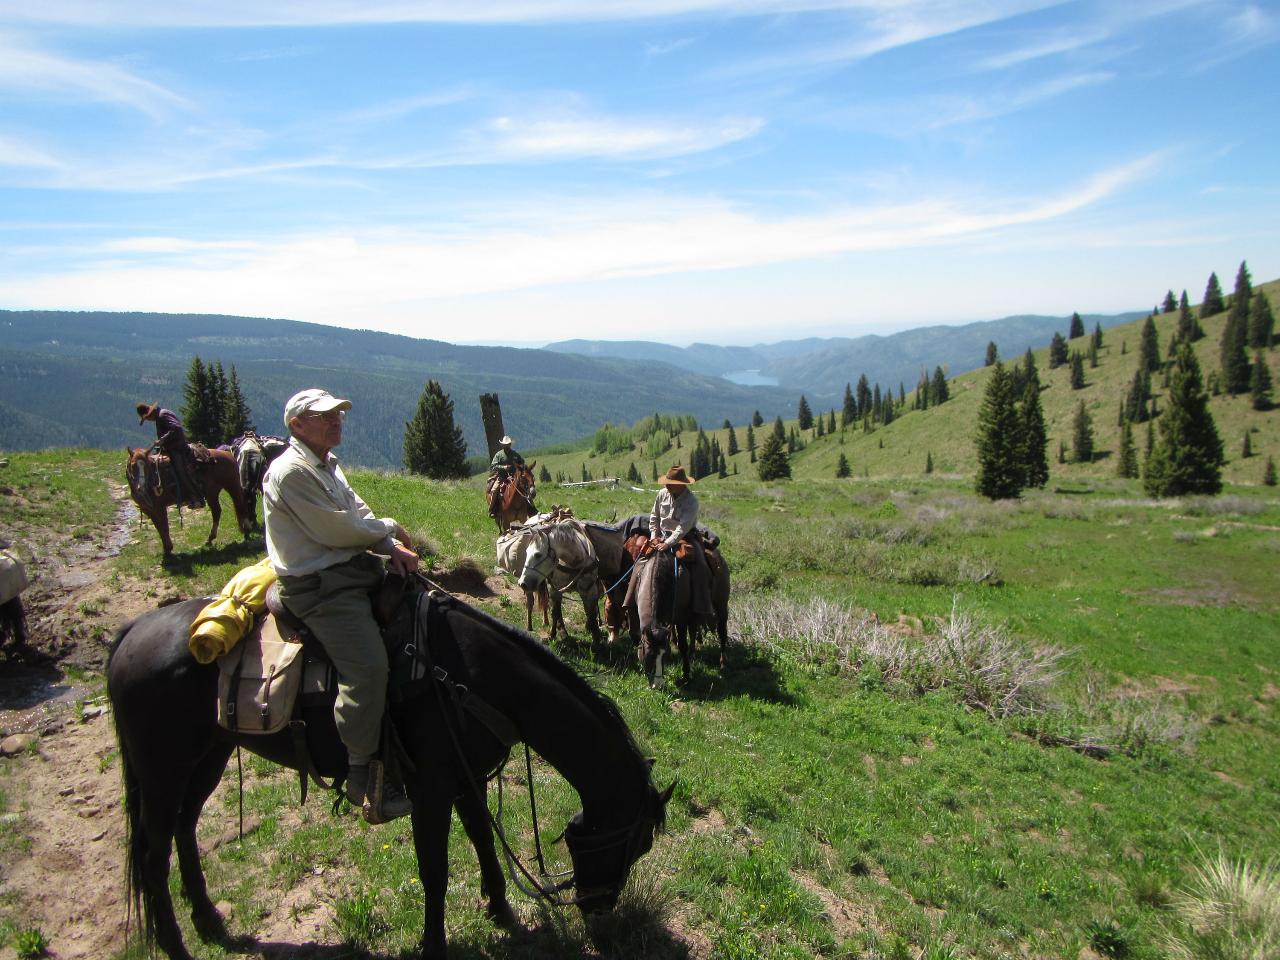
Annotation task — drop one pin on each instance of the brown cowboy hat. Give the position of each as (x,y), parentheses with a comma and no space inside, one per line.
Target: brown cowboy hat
(676,475)
(145,410)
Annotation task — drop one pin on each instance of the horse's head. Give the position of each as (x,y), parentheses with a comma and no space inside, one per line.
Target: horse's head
(539,561)
(602,858)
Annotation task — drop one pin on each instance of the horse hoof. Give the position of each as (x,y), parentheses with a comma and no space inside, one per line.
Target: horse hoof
(504,917)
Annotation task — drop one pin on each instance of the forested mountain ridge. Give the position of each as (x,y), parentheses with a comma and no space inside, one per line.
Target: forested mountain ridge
(70,378)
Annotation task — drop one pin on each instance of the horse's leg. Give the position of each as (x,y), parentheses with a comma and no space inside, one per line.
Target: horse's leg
(591,608)
(544,606)
(161,799)
(432,808)
(557,614)
(215,510)
(493,884)
(159,517)
(204,780)
(528,609)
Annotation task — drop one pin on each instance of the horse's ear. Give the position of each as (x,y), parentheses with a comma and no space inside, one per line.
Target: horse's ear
(650,761)
(665,795)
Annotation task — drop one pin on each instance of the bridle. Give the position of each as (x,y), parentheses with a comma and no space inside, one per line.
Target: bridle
(581,843)
(549,561)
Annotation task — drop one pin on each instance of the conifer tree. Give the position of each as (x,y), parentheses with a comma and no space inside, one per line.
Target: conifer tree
(902,394)
(1243,291)
(1269,473)
(779,430)
(993,354)
(751,442)
(1149,346)
(1093,355)
(863,397)
(544,475)
(928,461)
(842,467)
(1261,322)
(1212,303)
(1000,463)
(1169,303)
(201,413)
(1260,383)
(938,388)
(1077,327)
(433,445)
(1096,340)
(732,442)
(1082,435)
(820,426)
(1057,351)
(1234,359)
(1127,461)
(236,417)
(1077,370)
(1062,452)
(1151,440)
(1187,457)
(1246,447)
(756,419)
(804,415)
(831,422)
(1034,439)
(888,416)
(216,403)
(1139,393)
(774,463)
(848,409)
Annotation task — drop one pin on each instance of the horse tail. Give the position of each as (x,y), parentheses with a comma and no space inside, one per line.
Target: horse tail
(138,900)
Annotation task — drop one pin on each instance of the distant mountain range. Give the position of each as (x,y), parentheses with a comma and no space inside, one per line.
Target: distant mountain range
(73,378)
(820,368)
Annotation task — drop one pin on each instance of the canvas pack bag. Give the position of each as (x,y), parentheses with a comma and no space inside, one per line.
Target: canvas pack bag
(13,576)
(258,681)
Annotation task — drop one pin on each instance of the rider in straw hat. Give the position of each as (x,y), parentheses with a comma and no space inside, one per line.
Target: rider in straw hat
(503,465)
(171,438)
(674,518)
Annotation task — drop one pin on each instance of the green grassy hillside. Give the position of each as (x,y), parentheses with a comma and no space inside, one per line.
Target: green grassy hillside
(946,431)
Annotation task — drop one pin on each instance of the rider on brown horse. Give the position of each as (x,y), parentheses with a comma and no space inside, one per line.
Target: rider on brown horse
(501,470)
(171,438)
(673,522)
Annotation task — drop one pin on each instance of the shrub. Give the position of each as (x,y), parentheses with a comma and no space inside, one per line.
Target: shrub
(1228,911)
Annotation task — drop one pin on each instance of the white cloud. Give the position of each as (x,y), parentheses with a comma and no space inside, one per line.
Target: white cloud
(1049,46)
(24,67)
(15,153)
(335,277)
(518,138)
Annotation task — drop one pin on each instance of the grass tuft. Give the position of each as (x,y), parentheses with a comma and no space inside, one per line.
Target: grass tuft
(1230,910)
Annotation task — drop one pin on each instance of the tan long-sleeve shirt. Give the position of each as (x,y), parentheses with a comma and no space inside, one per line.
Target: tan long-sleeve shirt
(672,518)
(312,516)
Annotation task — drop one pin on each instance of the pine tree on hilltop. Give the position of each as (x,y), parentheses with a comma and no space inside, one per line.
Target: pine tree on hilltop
(804,414)
(1127,461)
(1034,439)
(1269,473)
(831,422)
(1096,342)
(1234,359)
(433,446)
(1212,303)
(1077,327)
(1169,303)
(1139,393)
(1261,322)
(201,412)
(992,354)
(1082,436)
(1187,457)
(1243,291)
(756,419)
(999,444)
(1246,447)
(1057,351)
(1029,372)
(863,397)
(928,461)
(544,475)
(1149,346)
(732,442)
(938,387)
(751,442)
(236,417)
(1077,370)
(849,408)
(774,463)
(779,430)
(842,467)
(1189,329)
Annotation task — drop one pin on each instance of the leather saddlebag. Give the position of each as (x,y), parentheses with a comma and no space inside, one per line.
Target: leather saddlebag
(258,681)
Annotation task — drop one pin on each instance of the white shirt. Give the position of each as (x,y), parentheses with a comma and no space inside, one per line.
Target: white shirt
(312,516)
(672,518)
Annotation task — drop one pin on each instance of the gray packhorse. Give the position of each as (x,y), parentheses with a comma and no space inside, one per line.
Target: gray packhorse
(560,554)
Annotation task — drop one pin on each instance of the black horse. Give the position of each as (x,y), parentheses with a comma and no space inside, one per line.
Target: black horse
(173,754)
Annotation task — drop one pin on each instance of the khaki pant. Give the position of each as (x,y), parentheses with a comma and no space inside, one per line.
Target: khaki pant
(335,606)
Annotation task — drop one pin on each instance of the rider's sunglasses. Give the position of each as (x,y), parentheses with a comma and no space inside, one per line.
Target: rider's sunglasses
(331,415)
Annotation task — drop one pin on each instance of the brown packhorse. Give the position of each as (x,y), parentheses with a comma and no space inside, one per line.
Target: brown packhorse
(219,473)
(515,493)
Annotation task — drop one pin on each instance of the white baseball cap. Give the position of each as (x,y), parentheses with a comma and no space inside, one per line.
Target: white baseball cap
(312,400)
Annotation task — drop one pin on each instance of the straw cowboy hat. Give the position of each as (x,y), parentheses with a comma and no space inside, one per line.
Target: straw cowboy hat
(506,440)
(145,410)
(676,476)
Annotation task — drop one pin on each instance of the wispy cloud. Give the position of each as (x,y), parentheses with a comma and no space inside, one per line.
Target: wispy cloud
(327,277)
(15,153)
(583,137)
(25,67)
(666,47)
(1058,42)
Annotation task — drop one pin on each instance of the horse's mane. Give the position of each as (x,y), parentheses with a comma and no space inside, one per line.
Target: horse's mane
(600,704)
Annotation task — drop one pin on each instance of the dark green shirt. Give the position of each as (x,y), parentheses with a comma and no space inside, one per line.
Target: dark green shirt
(506,458)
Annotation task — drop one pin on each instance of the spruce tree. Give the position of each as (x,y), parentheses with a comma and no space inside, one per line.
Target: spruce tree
(1187,457)
(215,404)
(1029,372)
(1234,359)
(1261,322)
(992,354)
(1212,303)
(1034,439)
(1077,327)
(842,467)
(862,397)
(544,475)
(779,430)
(1062,452)
(433,446)
(1127,461)
(1260,383)
(201,415)
(1187,326)
(831,422)
(1269,473)
(1093,355)
(1082,435)
(1057,351)
(1149,346)
(774,463)
(756,419)
(1243,292)
(751,442)
(1077,370)
(236,417)
(849,408)
(820,426)
(1139,393)
(804,415)
(928,461)
(999,444)
(1096,341)
(1246,447)
(938,387)
(732,441)
(1169,303)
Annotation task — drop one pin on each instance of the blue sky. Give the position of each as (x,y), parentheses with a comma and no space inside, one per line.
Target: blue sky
(731,171)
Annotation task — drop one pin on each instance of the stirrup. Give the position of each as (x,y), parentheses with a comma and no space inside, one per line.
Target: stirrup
(383,802)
